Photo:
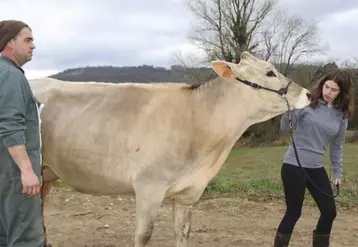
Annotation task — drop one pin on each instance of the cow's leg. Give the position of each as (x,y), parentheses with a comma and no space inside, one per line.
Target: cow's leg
(182,223)
(48,177)
(148,201)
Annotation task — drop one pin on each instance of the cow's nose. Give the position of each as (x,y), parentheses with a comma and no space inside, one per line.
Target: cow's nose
(309,95)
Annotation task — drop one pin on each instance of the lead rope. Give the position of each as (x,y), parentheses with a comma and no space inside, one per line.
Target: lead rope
(296,153)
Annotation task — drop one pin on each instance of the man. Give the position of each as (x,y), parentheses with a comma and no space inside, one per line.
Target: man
(20,144)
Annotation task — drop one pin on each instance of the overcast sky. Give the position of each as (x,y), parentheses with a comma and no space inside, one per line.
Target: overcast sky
(72,33)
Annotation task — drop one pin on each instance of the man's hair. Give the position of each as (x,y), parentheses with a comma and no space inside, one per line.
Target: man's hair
(9,29)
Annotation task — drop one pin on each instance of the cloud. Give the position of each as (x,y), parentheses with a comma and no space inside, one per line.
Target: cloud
(81,33)
(339,30)
(317,9)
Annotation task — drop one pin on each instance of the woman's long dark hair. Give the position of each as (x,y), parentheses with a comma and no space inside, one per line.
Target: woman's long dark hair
(345,98)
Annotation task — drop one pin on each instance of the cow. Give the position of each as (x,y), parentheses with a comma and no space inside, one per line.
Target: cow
(156,141)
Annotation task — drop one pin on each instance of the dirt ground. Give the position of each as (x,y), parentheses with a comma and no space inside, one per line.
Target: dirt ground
(75,219)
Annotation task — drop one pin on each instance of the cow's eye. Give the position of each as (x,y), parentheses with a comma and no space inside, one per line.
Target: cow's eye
(270,74)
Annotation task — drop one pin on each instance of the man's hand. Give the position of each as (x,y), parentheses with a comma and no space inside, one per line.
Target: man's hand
(30,183)
(336,181)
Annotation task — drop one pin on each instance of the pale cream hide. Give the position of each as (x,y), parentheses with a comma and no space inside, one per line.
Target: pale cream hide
(162,140)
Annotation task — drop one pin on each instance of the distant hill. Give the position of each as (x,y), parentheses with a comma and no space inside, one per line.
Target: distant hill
(144,74)
(302,74)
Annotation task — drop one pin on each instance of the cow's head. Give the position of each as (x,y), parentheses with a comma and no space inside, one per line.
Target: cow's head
(264,74)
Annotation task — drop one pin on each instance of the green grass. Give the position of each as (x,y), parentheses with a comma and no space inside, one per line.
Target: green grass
(61,184)
(256,172)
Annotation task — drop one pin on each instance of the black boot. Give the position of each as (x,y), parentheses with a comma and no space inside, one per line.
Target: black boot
(320,240)
(282,240)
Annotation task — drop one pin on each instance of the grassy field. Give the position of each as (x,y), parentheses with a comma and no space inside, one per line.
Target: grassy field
(255,173)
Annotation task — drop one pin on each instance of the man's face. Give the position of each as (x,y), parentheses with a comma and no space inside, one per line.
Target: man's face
(23,45)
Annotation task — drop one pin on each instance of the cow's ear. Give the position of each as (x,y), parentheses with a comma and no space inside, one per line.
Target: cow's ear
(222,68)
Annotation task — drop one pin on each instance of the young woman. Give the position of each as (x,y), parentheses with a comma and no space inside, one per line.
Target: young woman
(323,122)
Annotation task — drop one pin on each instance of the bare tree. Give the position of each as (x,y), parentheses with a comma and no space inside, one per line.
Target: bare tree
(289,39)
(225,28)
(350,63)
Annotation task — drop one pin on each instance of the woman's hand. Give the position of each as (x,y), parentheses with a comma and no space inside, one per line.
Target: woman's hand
(336,181)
